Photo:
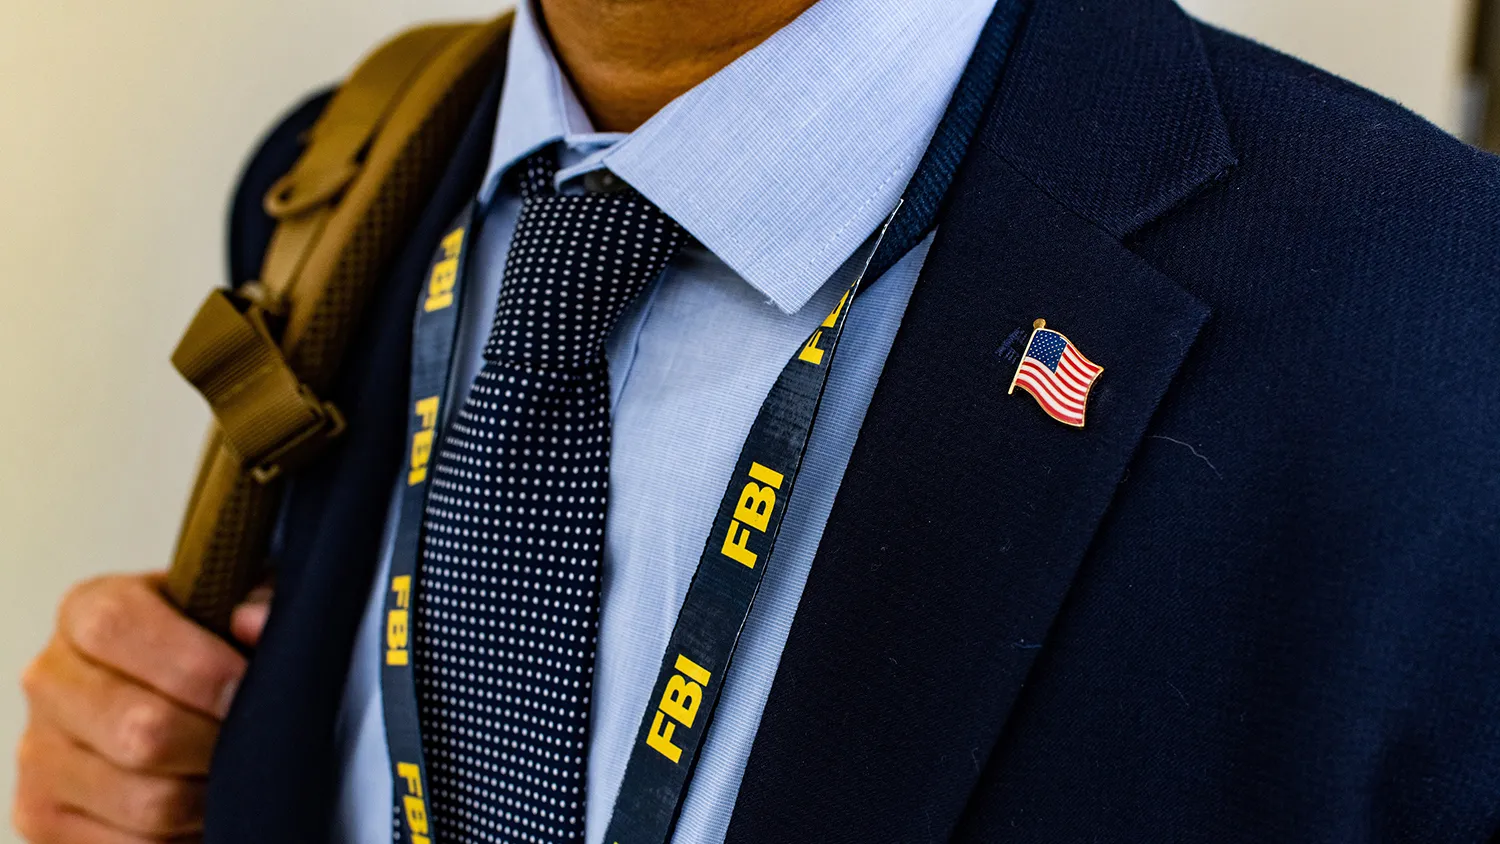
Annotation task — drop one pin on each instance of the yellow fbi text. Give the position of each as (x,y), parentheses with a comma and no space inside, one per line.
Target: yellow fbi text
(412,801)
(397,623)
(811,353)
(421,441)
(679,705)
(444,274)
(753,512)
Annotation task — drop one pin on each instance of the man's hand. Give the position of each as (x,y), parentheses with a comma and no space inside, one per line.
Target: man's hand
(126,702)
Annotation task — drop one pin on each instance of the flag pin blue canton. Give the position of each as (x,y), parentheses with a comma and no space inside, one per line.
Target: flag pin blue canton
(1056,374)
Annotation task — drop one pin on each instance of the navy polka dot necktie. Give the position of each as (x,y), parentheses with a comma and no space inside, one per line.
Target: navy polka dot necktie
(507,608)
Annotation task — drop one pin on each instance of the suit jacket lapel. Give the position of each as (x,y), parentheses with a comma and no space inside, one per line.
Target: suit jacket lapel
(966,512)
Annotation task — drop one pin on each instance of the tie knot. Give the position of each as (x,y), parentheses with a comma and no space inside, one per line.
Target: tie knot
(575,264)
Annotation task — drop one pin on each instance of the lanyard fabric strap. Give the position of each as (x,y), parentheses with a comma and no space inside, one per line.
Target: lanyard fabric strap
(433,337)
(744,531)
(718,601)
(723,589)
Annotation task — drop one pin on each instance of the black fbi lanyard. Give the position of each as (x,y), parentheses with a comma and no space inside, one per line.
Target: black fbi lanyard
(433,336)
(727,579)
(718,600)
(744,531)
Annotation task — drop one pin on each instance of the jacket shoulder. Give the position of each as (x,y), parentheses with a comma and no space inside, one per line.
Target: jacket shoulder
(1352,261)
(1349,164)
(1341,201)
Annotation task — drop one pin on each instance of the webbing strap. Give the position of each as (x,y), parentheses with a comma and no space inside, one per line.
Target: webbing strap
(392,120)
(353,117)
(303,200)
(267,416)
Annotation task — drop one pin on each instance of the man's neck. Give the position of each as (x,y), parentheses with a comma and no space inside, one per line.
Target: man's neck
(628,58)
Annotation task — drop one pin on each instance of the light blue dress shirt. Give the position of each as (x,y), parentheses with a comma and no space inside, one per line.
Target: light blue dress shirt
(780,166)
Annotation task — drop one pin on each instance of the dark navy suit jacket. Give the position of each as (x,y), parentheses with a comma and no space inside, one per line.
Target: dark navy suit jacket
(1257,599)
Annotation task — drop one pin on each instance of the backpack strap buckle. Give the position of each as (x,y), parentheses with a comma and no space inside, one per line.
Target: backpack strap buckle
(271,420)
(323,424)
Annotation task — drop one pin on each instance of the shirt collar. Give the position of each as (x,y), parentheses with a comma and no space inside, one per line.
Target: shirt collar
(537,104)
(785,161)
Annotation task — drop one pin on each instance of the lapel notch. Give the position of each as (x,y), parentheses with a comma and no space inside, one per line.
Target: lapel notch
(1109,107)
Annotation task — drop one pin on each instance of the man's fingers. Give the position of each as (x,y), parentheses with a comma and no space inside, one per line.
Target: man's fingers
(76,778)
(41,821)
(127,624)
(249,618)
(130,725)
(126,702)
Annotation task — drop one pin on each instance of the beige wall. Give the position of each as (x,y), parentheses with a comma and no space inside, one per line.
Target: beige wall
(122,125)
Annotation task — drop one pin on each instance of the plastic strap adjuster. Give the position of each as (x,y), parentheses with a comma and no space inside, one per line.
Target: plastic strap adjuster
(326,424)
(270,419)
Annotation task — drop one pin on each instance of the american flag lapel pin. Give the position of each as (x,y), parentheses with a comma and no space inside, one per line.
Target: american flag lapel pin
(1056,374)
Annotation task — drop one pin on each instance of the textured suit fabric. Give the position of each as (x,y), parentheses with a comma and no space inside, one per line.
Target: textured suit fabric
(1253,600)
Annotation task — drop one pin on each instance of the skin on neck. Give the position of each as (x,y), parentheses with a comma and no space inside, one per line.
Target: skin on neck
(628,58)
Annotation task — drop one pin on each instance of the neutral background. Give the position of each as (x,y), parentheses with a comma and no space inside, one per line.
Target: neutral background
(122,125)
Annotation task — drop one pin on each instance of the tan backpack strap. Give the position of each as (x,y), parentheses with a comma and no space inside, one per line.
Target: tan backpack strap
(356,112)
(268,417)
(262,354)
(302,199)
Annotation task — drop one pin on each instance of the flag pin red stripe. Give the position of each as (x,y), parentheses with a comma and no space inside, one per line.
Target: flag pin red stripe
(1057,374)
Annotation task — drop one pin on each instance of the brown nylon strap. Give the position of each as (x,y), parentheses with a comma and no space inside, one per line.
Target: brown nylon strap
(352,118)
(267,416)
(395,120)
(265,413)
(303,200)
